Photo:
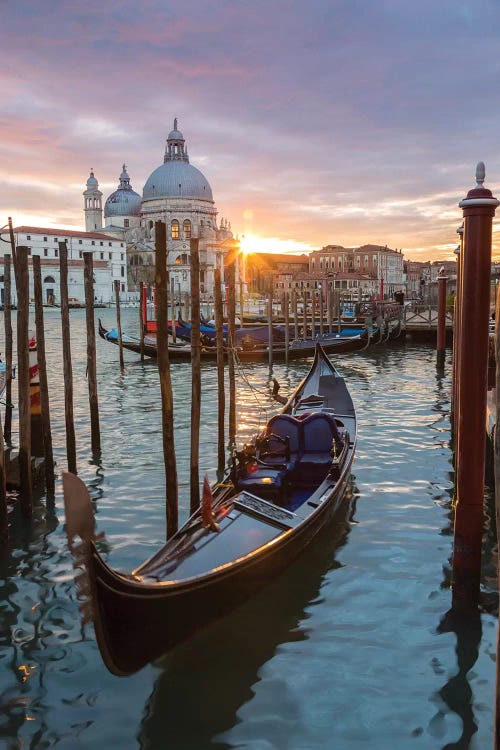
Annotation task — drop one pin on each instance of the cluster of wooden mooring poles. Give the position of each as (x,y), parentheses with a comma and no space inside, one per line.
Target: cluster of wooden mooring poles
(35,437)
(35,452)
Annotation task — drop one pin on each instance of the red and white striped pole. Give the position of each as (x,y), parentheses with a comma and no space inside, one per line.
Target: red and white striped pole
(35,400)
(478,211)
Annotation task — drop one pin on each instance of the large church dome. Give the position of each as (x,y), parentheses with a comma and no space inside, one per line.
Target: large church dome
(176,177)
(124,201)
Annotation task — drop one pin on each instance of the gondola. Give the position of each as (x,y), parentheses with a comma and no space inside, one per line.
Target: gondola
(281,490)
(250,335)
(300,349)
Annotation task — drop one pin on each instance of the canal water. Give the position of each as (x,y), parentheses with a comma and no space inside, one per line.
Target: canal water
(353,647)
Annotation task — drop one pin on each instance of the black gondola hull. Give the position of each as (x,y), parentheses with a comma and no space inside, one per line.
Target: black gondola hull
(268,508)
(136,623)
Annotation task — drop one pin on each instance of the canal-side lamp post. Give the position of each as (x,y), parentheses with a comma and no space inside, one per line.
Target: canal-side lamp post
(478,211)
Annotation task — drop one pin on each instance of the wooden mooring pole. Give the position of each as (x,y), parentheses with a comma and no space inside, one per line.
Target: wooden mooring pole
(167,401)
(286,305)
(23,381)
(456,337)
(195,375)
(42,371)
(7,428)
(143,315)
(321,312)
(219,332)
(295,315)
(231,325)
(478,211)
(270,327)
(67,365)
(4,513)
(172,306)
(88,277)
(119,322)
(441,323)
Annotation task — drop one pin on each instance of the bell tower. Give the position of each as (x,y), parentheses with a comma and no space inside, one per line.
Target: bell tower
(92,206)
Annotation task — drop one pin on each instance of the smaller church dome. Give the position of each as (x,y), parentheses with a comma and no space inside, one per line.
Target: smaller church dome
(92,182)
(175,135)
(124,201)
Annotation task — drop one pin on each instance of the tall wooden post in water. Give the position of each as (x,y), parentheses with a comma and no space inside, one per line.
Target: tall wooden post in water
(441,327)
(4,516)
(23,380)
(119,322)
(167,401)
(67,366)
(478,211)
(142,316)
(195,375)
(7,430)
(456,336)
(270,326)
(286,304)
(219,320)
(231,314)
(42,370)
(295,315)
(95,435)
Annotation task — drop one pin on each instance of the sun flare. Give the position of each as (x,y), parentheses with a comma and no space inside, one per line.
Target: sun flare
(252,243)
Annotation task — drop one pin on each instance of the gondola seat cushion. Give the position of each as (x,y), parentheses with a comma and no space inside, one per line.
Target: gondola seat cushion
(320,432)
(287,428)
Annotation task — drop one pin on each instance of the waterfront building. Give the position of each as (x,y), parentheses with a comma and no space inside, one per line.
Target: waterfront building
(51,281)
(109,257)
(368,267)
(263,269)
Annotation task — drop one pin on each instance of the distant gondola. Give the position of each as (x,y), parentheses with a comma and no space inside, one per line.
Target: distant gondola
(245,351)
(279,493)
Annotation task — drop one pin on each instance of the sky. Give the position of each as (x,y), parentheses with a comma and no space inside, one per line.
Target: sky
(323,122)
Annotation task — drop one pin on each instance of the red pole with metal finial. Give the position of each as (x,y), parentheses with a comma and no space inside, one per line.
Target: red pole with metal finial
(478,211)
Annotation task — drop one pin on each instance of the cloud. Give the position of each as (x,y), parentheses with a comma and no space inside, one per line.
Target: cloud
(350,121)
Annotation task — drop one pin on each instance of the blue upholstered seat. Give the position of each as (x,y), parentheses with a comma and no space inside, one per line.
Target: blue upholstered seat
(320,432)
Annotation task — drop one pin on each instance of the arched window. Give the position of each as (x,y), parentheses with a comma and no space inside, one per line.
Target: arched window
(135,260)
(49,280)
(187,229)
(174,229)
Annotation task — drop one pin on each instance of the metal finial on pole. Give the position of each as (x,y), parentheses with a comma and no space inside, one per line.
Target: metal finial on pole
(480,174)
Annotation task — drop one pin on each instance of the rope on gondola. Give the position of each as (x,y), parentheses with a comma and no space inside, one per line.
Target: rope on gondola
(263,409)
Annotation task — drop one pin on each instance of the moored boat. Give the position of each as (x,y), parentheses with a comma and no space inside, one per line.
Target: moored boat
(281,490)
(244,351)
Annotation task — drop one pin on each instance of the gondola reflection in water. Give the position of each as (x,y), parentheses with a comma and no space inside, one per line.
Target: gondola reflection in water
(280,491)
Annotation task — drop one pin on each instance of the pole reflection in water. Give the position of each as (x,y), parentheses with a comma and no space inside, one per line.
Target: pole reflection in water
(457,693)
(204,682)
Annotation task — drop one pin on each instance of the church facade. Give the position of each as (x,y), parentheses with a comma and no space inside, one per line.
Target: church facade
(176,193)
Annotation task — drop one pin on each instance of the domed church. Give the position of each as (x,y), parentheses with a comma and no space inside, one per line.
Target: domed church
(177,193)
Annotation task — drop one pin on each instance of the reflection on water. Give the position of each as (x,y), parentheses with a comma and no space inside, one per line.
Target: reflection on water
(353,647)
(224,661)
